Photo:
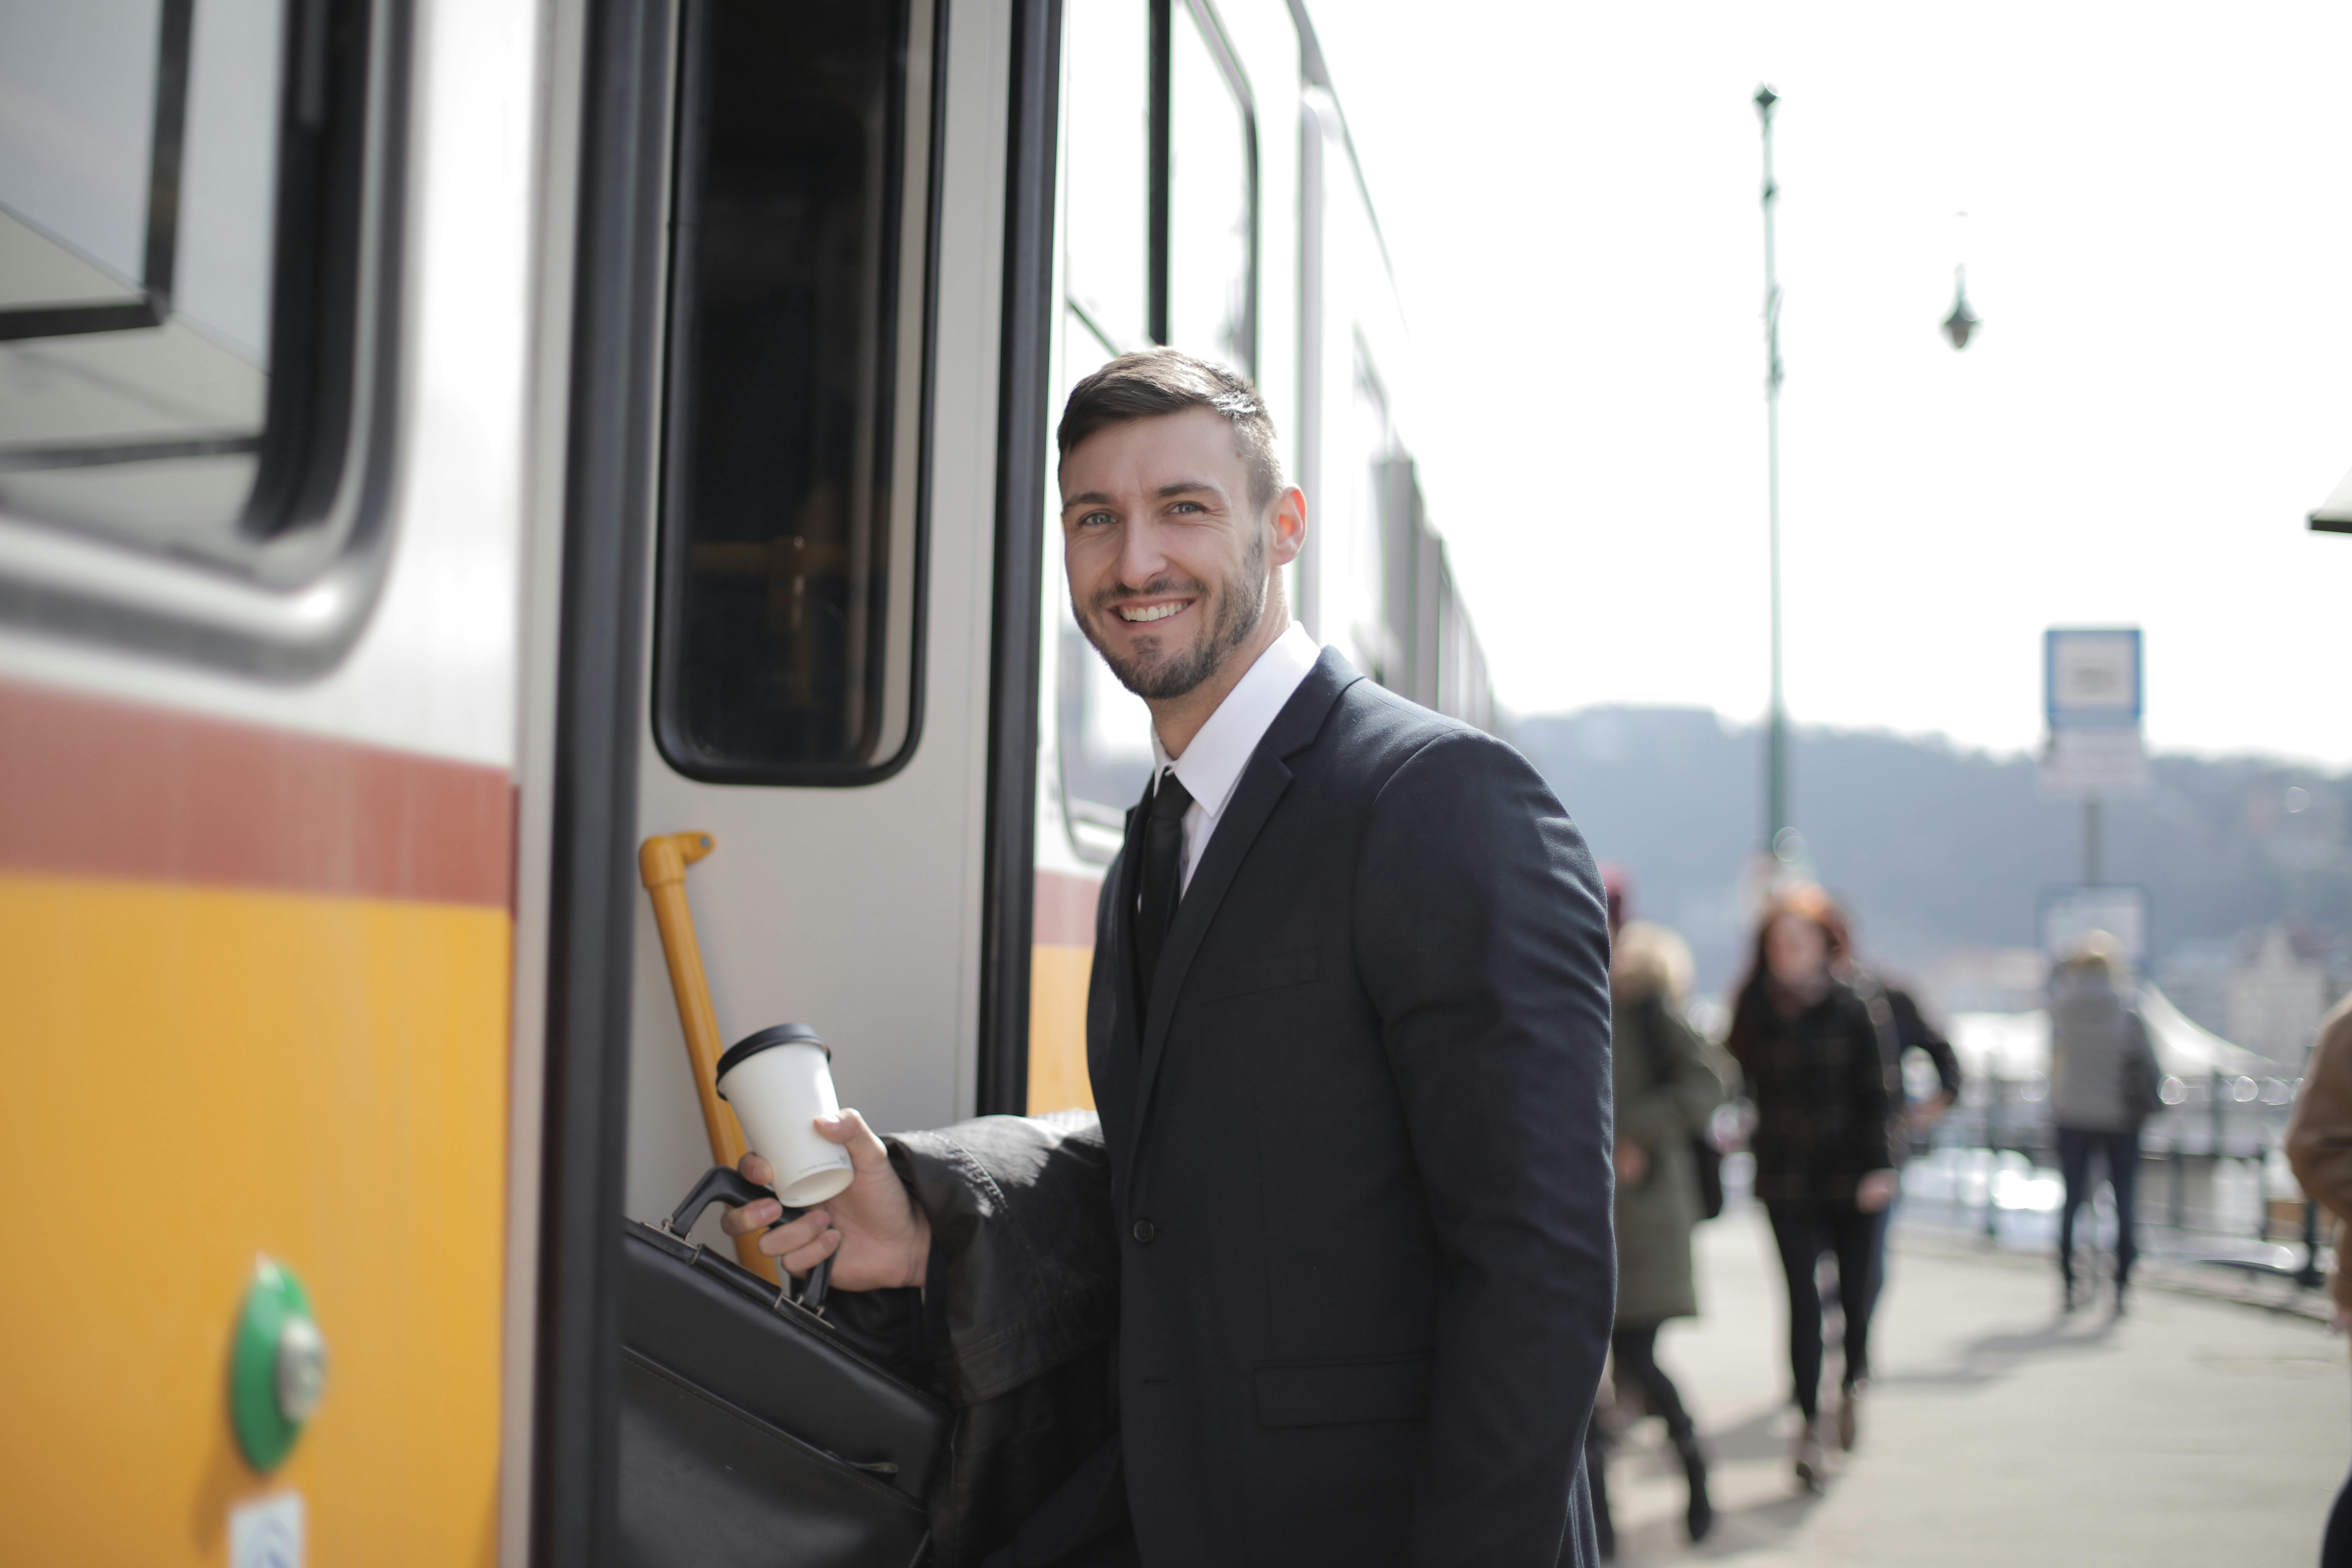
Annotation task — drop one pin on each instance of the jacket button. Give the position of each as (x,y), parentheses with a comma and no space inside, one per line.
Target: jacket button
(1144,1231)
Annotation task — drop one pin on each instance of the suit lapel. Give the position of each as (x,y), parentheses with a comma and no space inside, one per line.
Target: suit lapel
(1261,785)
(1111,1058)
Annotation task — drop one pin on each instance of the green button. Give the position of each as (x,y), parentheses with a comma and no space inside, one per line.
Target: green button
(279,1368)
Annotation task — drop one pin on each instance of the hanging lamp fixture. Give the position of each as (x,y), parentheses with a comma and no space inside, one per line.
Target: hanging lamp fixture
(1962,323)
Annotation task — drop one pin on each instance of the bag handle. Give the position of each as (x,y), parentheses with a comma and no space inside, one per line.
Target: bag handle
(724,1183)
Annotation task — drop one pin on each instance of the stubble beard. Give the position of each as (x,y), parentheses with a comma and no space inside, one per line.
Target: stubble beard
(1152,673)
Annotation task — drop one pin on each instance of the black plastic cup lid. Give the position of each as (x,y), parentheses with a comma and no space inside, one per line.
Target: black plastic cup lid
(774,1035)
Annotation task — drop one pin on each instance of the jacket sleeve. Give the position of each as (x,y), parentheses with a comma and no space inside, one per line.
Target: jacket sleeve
(2319,1131)
(1015,1321)
(1873,1142)
(2319,1134)
(2141,1043)
(1482,945)
(1917,1033)
(1684,1090)
(1024,1266)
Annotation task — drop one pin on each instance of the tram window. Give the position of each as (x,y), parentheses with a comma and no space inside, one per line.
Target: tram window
(1106,116)
(785,638)
(1103,735)
(160,172)
(1203,298)
(1102,732)
(1212,195)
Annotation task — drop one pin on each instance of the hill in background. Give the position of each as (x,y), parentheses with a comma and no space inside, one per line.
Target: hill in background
(1941,853)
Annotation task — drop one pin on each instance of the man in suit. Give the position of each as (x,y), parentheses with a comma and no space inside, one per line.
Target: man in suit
(1349,1035)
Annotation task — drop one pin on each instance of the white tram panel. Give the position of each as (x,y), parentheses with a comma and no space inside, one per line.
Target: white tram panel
(858,909)
(433,670)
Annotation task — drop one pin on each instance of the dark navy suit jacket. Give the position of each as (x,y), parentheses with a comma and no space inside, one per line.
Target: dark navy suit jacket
(1361,1157)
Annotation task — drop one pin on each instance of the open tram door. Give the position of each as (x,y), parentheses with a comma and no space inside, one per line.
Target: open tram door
(799,604)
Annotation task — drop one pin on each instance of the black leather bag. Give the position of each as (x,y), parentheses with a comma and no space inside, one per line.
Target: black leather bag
(751,1432)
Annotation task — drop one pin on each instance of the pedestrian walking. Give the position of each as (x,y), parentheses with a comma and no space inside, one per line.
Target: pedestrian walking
(1824,1165)
(2103,1086)
(2319,1147)
(1666,1090)
(1904,1026)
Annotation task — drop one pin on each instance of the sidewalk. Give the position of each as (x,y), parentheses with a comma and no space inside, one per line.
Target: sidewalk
(1996,1432)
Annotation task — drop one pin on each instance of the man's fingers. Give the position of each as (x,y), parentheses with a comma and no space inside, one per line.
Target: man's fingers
(847,1128)
(751,1216)
(756,1170)
(800,1260)
(787,1239)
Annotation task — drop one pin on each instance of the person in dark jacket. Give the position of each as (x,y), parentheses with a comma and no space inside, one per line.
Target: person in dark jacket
(1666,1088)
(1903,1027)
(2103,1085)
(1348,1028)
(1825,1163)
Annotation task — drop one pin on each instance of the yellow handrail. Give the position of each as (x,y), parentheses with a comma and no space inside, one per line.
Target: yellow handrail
(662,861)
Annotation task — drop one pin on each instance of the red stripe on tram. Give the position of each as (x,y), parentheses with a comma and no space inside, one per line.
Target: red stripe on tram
(95,787)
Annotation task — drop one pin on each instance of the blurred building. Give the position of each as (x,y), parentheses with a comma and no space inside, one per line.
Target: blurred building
(2277,998)
(1985,980)
(2196,975)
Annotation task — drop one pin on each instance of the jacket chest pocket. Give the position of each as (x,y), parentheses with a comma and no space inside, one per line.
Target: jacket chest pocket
(1267,972)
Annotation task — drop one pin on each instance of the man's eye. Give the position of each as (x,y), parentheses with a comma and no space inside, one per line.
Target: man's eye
(1186,506)
(1097,519)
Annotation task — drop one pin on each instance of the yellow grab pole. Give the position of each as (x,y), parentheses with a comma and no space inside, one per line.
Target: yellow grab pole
(662,861)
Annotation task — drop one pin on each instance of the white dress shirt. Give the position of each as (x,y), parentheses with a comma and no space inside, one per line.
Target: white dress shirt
(1211,765)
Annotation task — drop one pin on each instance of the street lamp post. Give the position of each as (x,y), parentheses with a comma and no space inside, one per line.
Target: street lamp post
(1776,734)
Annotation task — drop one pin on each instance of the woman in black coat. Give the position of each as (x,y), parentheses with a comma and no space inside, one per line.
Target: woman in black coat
(1824,1164)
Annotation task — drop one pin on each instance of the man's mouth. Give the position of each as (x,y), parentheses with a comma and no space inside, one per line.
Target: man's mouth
(1136,614)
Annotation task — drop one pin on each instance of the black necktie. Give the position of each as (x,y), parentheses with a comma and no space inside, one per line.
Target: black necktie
(1161,880)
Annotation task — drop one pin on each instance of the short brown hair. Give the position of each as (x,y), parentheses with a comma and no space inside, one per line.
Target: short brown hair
(1152,381)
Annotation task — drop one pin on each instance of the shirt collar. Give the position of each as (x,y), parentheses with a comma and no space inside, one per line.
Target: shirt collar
(1211,765)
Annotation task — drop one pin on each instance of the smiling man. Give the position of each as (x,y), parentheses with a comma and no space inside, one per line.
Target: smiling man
(1349,1035)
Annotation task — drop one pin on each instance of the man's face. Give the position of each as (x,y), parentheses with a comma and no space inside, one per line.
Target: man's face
(1167,558)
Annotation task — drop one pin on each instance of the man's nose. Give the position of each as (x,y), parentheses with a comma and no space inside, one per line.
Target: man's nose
(1140,555)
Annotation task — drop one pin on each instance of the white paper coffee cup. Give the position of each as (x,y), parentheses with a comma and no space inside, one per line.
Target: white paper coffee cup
(779,1081)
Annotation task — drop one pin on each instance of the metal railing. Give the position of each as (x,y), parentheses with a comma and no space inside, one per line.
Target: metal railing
(2209,1164)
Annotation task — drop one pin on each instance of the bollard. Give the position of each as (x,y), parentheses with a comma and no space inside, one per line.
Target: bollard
(2309,1276)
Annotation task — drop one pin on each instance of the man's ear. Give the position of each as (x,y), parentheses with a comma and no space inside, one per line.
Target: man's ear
(1289,518)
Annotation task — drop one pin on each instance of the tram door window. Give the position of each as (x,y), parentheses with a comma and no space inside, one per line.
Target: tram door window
(1102,732)
(785,648)
(1159,244)
(162,204)
(1212,195)
(1107,107)
(1352,567)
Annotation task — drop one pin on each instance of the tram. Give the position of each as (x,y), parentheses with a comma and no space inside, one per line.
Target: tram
(441,446)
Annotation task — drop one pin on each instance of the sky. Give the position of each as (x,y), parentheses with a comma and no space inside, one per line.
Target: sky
(2158,241)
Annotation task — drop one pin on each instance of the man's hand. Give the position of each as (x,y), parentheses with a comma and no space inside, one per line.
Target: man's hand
(872,1230)
(1631,1162)
(1874,1191)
